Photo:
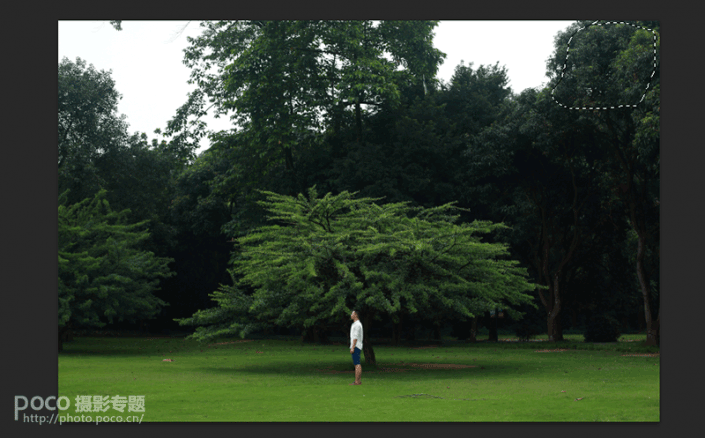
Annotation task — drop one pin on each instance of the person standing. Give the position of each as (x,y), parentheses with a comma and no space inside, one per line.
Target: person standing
(356,345)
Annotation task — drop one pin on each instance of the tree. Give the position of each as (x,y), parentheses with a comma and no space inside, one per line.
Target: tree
(326,256)
(409,154)
(88,127)
(103,273)
(283,81)
(474,98)
(621,63)
(537,170)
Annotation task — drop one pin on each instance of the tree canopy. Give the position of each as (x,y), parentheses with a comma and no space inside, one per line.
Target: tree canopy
(88,126)
(323,257)
(104,275)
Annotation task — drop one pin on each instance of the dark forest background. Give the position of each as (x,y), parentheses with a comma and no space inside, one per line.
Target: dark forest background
(572,168)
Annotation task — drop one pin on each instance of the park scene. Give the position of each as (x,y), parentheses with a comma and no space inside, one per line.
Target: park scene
(494,253)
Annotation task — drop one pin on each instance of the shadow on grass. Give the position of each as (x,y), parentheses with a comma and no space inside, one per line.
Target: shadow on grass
(139,347)
(480,369)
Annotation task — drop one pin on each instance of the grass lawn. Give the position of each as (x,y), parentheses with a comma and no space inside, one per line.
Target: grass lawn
(275,380)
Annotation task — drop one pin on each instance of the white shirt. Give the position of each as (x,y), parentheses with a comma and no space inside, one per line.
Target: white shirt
(356,333)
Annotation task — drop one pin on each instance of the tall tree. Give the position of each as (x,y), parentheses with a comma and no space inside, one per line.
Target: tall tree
(326,256)
(104,275)
(537,169)
(88,127)
(474,98)
(617,65)
(409,153)
(283,80)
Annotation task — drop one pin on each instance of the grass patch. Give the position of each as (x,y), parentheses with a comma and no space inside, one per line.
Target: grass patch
(274,380)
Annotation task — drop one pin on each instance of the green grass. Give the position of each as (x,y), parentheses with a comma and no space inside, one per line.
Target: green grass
(233,382)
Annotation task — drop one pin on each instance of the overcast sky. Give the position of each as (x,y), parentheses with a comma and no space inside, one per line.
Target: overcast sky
(146,59)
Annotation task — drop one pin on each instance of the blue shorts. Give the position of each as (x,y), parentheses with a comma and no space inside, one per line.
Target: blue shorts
(356,356)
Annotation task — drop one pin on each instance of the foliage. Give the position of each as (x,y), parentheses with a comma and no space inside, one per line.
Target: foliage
(474,98)
(103,273)
(313,65)
(602,328)
(285,81)
(410,154)
(525,331)
(325,256)
(95,152)
(88,127)
(618,62)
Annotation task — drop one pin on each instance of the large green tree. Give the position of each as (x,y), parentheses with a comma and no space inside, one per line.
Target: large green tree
(282,81)
(88,127)
(613,69)
(104,274)
(323,257)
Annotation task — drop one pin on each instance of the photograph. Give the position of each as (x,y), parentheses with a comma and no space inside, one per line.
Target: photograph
(357,221)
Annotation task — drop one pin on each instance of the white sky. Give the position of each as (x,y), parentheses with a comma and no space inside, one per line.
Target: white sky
(146,59)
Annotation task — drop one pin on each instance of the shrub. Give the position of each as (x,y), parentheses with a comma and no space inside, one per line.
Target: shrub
(602,328)
(525,331)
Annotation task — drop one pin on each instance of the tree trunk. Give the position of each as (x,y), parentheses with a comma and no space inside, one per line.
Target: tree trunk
(358,121)
(652,327)
(656,331)
(346,330)
(437,332)
(294,187)
(315,334)
(550,323)
(555,331)
(307,335)
(412,332)
(367,349)
(493,328)
(319,335)
(396,332)
(65,334)
(631,196)
(473,331)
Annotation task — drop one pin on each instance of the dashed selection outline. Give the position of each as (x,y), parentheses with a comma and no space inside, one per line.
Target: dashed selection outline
(567,54)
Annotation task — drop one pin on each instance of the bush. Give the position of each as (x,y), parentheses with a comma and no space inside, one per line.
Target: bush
(602,328)
(525,331)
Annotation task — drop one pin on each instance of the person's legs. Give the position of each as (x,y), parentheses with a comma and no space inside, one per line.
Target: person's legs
(358,367)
